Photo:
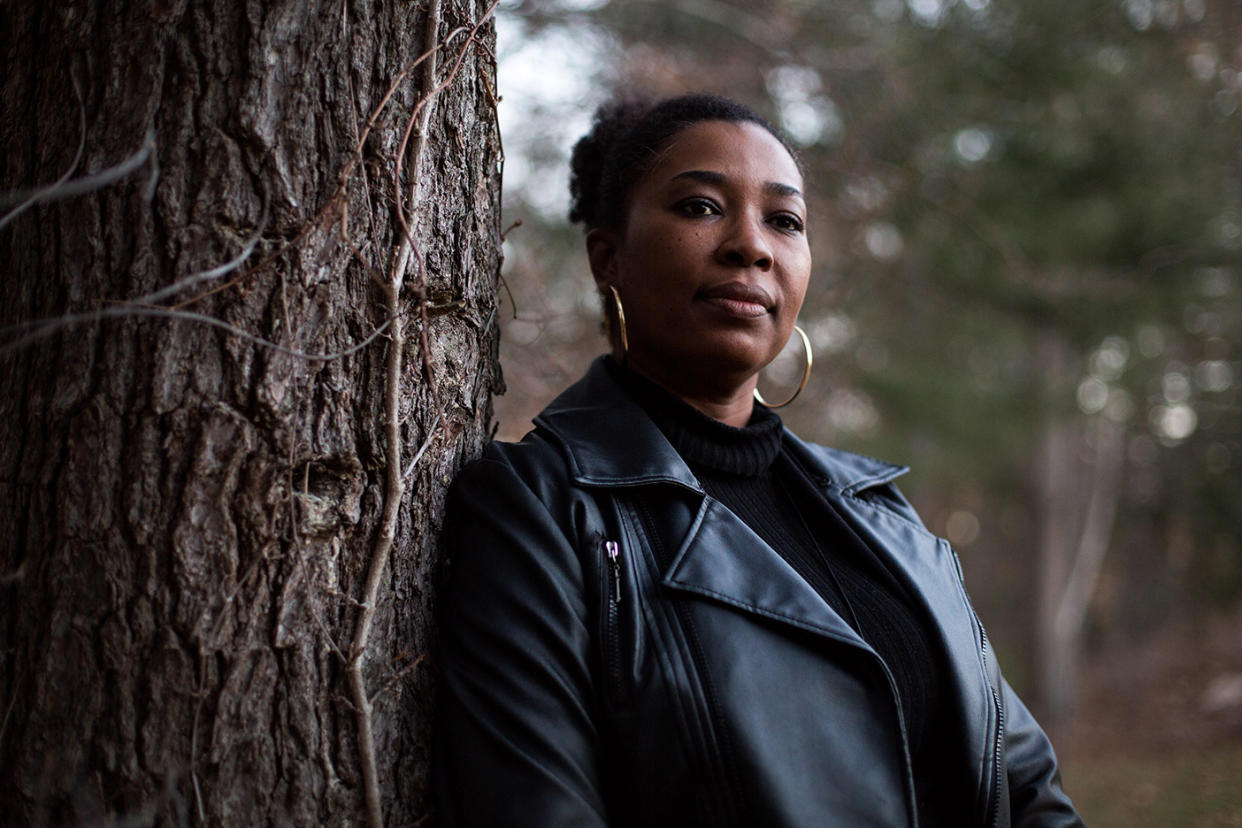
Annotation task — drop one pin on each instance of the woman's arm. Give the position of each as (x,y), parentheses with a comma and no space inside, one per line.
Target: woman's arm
(515,741)
(1036,799)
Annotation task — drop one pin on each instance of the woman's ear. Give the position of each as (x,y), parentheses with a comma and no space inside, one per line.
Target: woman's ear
(602,254)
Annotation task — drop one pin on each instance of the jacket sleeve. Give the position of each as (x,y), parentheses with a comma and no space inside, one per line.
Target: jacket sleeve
(515,742)
(1036,799)
(1033,780)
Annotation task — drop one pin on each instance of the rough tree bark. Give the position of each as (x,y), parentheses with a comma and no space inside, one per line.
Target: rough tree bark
(188,516)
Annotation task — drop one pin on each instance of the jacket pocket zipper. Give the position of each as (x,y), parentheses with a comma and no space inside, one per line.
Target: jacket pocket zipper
(614,557)
(612,632)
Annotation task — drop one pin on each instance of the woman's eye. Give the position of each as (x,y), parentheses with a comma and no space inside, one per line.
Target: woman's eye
(788,222)
(696,207)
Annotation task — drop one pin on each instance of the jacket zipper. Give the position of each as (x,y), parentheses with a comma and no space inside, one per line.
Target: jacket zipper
(995,793)
(614,553)
(1000,735)
(612,632)
(1000,730)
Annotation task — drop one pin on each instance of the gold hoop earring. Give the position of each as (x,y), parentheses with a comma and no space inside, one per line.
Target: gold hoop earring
(625,340)
(806,374)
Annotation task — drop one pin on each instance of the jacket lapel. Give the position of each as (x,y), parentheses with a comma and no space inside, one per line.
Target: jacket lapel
(609,441)
(722,559)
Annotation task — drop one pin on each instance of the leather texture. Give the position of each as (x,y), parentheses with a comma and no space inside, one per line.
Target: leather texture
(720,689)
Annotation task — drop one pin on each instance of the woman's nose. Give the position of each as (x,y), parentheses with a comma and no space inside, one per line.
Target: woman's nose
(745,246)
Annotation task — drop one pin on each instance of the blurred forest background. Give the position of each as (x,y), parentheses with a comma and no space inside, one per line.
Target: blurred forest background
(1026,217)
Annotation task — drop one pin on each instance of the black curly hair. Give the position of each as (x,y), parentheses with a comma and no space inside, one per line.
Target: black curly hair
(626,138)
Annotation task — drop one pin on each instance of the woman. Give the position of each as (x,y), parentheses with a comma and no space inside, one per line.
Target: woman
(664,608)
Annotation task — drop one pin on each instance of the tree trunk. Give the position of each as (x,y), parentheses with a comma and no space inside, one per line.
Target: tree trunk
(197,489)
(1079,481)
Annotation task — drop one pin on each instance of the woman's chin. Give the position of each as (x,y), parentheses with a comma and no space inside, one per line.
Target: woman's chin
(722,366)
(739,352)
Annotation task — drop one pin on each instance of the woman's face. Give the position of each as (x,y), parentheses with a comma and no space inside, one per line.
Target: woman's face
(712,262)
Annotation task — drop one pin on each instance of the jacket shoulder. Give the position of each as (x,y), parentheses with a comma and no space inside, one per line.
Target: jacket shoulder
(535,463)
(848,471)
(860,476)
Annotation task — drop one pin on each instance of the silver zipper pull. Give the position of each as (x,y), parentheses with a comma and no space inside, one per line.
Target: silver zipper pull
(614,552)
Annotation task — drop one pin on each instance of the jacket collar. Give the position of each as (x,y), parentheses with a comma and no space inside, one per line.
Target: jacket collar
(609,440)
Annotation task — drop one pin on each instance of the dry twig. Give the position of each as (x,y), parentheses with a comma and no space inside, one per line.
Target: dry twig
(395,485)
(395,488)
(33,198)
(63,188)
(46,327)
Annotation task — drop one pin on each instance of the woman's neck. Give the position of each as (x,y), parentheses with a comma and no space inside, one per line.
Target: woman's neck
(730,403)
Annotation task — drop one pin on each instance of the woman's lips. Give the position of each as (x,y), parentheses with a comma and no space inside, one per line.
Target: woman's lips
(739,299)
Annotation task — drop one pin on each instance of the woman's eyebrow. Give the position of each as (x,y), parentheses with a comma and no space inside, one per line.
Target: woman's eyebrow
(776,188)
(706,176)
(712,177)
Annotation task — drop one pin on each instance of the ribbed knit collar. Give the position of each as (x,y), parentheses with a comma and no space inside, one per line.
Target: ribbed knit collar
(702,440)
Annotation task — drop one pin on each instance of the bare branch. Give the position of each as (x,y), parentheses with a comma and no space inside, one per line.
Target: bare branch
(504,234)
(148,191)
(207,275)
(395,678)
(487,326)
(47,327)
(61,190)
(14,576)
(4,723)
(418,455)
(395,486)
(77,159)
(420,144)
(263,263)
(422,103)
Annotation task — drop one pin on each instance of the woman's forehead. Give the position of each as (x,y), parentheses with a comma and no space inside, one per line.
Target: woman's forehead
(734,149)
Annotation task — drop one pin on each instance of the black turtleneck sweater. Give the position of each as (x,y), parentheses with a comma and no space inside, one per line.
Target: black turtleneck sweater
(750,471)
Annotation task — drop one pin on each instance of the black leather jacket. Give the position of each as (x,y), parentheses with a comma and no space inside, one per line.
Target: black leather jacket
(620,649)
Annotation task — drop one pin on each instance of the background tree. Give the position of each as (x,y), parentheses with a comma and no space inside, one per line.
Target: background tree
(265,236)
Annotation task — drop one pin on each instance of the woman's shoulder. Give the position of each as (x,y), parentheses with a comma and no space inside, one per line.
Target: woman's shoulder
(847,471)
(517,496)
(857,476)
(535,462)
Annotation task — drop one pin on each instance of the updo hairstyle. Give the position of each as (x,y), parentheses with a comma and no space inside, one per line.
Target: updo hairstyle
(624,142)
